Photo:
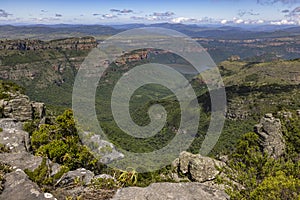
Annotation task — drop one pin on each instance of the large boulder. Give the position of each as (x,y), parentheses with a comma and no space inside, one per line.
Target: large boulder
(20,108)
(182,191)
(18,187)
(270,131)
(198,168)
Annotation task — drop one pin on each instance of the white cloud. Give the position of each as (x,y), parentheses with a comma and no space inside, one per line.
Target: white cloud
(224,21)
(3,13)
(124,11)
(238,21)
(260,21)
(164,14)
(184,20)
(270,2)
(108,16)
(137,18)
(283,22)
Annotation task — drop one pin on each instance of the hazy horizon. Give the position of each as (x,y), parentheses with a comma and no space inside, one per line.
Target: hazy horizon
(218,12)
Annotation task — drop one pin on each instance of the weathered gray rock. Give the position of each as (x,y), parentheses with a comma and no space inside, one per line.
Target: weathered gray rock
(270,132)
(13,137)
(39,110)
(9,123)
(199,168)
(104,176)
(102,148)
(16,141)
(18,187)
(26,160)
(170,191)
(20,108)
(69,178)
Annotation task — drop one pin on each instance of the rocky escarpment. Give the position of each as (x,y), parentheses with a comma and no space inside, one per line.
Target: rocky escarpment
(270,131)
(17,184)
(32,45)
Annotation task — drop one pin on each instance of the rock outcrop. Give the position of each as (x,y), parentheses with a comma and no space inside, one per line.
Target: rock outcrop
(17,184)
(198,168)
(170,191)
(270,131)
(20,108)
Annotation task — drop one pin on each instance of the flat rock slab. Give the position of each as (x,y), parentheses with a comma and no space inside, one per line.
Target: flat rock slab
(18,187)
(171,191)
(9,123)
(21,160)
(16,141)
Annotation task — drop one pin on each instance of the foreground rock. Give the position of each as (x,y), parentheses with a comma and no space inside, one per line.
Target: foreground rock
(20,108)
(18,187)
(26,161)
(198,168)
(10,123)
(21,160)
(82,176)
(17,141)
(270,131)
(78,183)
(170,191)
(102,148)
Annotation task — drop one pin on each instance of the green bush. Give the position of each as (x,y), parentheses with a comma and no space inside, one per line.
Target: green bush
(42,174)
(3,149)
(277,187)
(3,170)
(103,183)
(60,142)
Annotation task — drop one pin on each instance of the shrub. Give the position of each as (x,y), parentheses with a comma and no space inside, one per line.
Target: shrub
(42,174)
(60,142)
(103,183)
(260,176)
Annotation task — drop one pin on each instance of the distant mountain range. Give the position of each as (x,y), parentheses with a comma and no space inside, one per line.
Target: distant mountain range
(41,31)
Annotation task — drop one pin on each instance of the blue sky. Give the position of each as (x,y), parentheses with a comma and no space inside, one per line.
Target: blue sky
(154,11)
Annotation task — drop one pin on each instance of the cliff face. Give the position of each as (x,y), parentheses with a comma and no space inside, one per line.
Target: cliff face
(83,43)
(39,65)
